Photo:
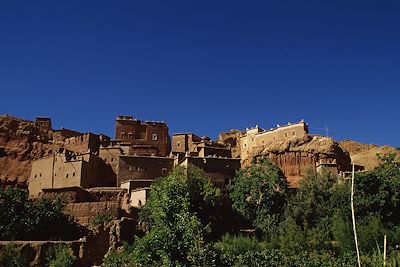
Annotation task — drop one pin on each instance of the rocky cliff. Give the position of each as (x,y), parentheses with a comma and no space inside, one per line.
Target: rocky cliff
(21,142)
(366,154)
(293,156)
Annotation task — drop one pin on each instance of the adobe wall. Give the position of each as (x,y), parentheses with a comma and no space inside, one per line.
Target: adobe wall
(136,132)
(101,194)
(205,151)
(185,142)
(61,134)
(67,173)
(138,197)
(69,170)
(44,123)
(147,168)
(179,143)
(256,137)
(233,139)
(110,156)
(67,194)
(84,212)
(83,143)
(41,175)
(220,170)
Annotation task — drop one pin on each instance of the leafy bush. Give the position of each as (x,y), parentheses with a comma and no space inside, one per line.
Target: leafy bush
(231,247)
(60,256)
(101,219)
(24,219)
(11,256)
(120,257)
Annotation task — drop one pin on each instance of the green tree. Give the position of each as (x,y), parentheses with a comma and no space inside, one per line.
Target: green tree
(378,191)
(176,235)
(24,219)
(258,193)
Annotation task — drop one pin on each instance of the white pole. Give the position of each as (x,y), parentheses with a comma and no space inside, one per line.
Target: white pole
(354,217)
(384,250)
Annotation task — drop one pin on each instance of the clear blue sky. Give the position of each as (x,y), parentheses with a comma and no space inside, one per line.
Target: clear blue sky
(205,66)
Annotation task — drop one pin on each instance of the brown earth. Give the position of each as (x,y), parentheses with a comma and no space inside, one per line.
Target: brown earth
(295,155)
(366,154)
(21,142)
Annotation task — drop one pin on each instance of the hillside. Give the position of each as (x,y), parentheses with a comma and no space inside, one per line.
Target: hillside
(366,154)
(21,141)
(293,156)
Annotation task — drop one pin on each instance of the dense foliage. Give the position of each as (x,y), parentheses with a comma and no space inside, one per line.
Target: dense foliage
(310,226)
(24,219)
(60,256)
(258,193)
(176,234)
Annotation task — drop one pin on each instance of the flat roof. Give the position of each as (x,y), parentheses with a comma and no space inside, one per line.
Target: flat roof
(141,156)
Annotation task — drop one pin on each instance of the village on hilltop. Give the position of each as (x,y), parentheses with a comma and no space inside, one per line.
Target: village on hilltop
(143,151)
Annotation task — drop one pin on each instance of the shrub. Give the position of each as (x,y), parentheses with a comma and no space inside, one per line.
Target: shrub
(24,219)
(11,256)
(231,247)
(60,256)
(101,219)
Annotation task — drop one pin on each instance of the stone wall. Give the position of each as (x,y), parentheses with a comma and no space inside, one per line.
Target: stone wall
(86,211)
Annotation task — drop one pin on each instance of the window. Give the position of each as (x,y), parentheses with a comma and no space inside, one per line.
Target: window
(112,159)
(244,145)
(155,137)
(35,175)
(286,134)
(293,133)
(40,175)
(130,135)
(164,171)
(42,123)
(122,134)
(137,169)
(73,174)
(66,176)
(129,168)
(178,144)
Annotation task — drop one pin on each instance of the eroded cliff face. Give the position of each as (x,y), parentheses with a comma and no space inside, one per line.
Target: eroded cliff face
(294,156)
(366,154)
(21,142)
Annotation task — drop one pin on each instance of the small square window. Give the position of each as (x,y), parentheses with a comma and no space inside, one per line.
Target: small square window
(154,137)
(122,134)
(178,144)
(130,135)
(164,171)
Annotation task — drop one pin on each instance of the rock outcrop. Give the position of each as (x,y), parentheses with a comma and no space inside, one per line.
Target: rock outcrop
(21,142)
(366,154)
(293,156)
